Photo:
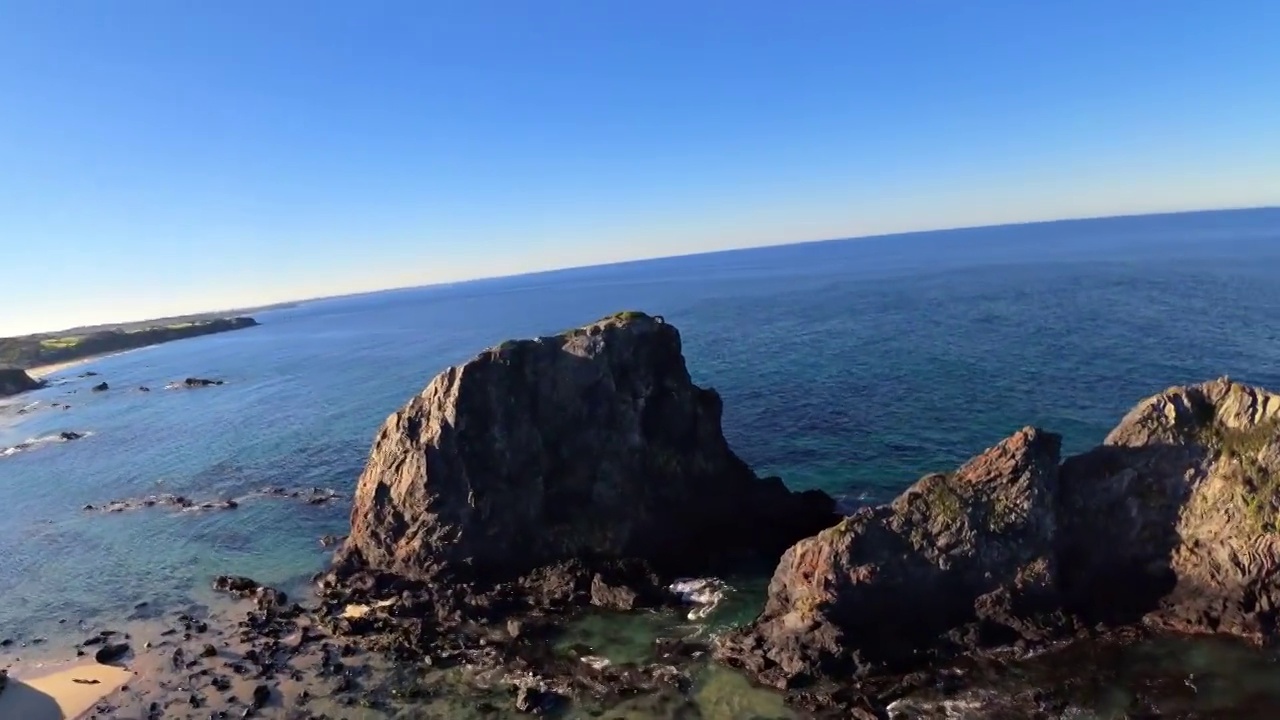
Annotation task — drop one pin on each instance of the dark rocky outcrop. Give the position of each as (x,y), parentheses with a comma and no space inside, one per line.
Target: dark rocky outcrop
(590,445)
(1173,523)
(100,387)
(14,381)
(193,382)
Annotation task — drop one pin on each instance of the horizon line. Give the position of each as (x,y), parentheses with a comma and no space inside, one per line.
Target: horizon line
(794,243)
(229,312)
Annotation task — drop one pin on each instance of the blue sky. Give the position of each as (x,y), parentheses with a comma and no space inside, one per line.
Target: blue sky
(160,157)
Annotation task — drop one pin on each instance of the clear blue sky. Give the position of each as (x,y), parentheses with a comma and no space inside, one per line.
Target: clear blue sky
(160,157)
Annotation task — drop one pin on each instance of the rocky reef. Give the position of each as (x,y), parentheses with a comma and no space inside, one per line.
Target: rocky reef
(14,381)
(1170,524)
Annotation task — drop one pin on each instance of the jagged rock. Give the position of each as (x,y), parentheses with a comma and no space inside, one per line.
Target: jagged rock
(590,444)
(14,381)
(70,435)
(101,387)
(875,590)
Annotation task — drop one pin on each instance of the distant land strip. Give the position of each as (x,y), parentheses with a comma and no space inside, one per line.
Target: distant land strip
(30,351)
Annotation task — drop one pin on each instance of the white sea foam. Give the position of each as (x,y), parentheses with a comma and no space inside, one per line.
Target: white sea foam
(704,594)
(596,662)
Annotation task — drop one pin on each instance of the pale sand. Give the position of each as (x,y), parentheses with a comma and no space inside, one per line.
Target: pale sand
(57,695)
(47,370)
(41,371)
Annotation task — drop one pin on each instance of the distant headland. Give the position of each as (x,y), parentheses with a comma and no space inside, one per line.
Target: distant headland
(44,349)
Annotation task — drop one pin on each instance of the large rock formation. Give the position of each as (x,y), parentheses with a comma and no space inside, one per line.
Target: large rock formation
(1171,523)
(592,445)
(14,381)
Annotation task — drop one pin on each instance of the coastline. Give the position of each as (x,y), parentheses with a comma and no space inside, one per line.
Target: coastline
(43,371)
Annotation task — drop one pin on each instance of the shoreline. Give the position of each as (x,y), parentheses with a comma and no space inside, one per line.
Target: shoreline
(41,372)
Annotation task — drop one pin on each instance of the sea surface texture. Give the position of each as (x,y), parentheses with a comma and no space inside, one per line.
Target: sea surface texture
(852,366)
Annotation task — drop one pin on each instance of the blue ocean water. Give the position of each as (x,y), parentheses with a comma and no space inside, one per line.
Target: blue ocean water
(852,366)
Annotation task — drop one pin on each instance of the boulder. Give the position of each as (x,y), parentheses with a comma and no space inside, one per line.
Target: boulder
(14,381)
(593,444)
(101,387)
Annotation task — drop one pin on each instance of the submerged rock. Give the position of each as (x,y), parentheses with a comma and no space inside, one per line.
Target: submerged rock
(591,444)
(1173,523)
(100,387)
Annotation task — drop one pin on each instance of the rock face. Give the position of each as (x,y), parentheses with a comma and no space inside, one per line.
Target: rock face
(1172,523)
(1176,517)
(14,381)
(590,445)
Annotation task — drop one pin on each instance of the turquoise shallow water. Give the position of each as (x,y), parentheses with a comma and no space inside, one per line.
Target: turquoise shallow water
(851,366)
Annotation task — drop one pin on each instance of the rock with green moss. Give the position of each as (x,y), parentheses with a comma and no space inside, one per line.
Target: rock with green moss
(884,584)
(590,445)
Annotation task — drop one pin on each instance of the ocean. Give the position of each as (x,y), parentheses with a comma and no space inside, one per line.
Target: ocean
(852,366)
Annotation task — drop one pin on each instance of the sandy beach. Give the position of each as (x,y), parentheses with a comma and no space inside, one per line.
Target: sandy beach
(63,694)
(42,371)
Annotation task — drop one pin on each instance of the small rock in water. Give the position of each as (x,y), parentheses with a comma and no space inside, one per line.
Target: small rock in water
(208,651)
(101,387)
